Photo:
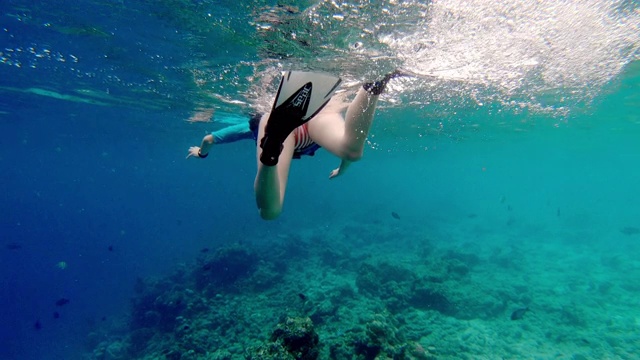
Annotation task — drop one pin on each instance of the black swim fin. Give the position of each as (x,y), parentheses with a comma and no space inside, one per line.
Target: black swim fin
(300,97)
(377,87)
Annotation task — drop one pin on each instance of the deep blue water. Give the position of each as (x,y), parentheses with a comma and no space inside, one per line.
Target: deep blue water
(78,178)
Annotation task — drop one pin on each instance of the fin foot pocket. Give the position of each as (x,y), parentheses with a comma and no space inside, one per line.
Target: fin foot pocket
(270,151)
(377,87)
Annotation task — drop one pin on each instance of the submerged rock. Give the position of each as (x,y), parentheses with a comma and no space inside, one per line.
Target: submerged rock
(519,313)
(293,338)
(226,267)
(298,336)
(429,299)
(377,337)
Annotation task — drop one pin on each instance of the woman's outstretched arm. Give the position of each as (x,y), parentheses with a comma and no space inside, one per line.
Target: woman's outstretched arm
(227,135)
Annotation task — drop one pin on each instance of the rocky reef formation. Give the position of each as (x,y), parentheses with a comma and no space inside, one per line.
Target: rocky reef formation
(305,298)
(293,338)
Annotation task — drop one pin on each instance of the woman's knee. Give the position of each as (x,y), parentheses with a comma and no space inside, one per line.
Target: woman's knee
(353,155)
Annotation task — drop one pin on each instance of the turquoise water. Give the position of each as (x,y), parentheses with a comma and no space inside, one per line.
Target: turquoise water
(505,176)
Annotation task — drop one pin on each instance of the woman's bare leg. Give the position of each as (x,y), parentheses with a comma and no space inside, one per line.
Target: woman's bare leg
(345,138)
(271,181)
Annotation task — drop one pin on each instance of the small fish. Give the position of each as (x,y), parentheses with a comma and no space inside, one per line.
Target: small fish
(289,9)
(302,296)
(14,246)
(395,215)
(558,212)
(37,325)
(204,250)
(110,248)
(56,315)
(630,230)
(519,313)
(472,216)
(62,302)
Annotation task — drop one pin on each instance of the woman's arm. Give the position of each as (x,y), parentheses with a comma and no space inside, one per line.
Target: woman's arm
(203,150)
(227,135)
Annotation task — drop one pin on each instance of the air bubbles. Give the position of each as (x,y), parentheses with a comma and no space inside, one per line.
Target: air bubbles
(511,49)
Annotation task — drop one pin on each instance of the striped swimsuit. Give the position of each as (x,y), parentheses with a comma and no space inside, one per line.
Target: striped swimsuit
(304,144)
(303,139)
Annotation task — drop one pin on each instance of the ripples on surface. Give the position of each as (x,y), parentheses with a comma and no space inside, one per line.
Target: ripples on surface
(544,57)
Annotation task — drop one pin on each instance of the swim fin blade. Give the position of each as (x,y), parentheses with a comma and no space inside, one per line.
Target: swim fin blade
(300,97)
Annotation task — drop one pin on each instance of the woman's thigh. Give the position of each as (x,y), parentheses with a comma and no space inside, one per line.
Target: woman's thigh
(327,130)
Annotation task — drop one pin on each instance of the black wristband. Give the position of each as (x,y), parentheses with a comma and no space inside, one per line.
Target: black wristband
(202,156)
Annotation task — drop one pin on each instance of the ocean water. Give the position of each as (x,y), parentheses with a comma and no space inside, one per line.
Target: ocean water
(503,175)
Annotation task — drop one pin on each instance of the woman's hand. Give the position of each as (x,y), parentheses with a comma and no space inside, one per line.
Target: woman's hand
(344,164)
(193,152)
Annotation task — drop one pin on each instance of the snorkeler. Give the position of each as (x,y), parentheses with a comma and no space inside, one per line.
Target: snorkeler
(299,124)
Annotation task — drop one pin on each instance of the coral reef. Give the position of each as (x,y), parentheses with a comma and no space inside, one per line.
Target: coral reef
(235,293)
(225,267)
(293,338)
(314,296)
